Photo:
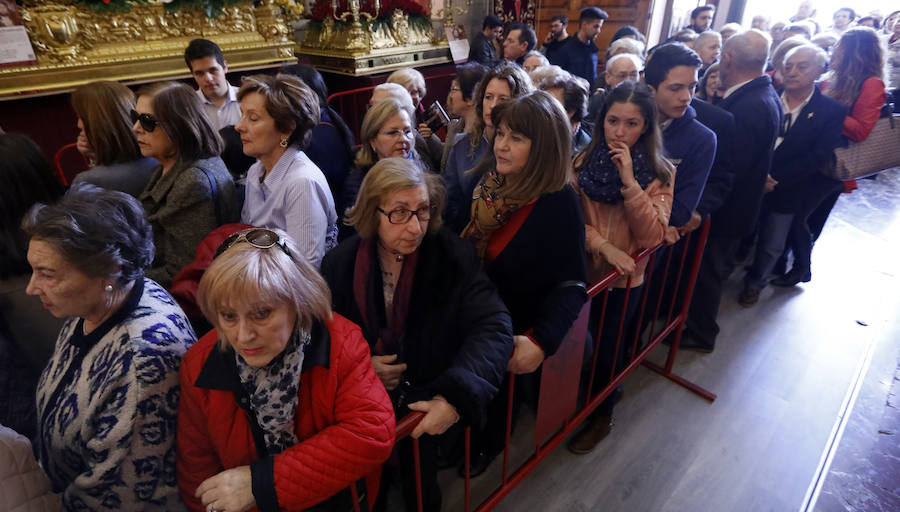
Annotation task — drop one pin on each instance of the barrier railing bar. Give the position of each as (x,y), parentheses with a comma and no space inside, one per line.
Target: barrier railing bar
(684,250)
(646,293)
(417,467)
(689,291)
(509,410)
(354,495)
(615,357)
(665,279)
(596,352)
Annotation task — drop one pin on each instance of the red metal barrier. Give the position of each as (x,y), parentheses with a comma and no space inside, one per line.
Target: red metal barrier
(67,165)
(674,323)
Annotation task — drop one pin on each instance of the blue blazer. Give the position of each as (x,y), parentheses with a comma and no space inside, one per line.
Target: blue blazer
(721,174)
(757,116)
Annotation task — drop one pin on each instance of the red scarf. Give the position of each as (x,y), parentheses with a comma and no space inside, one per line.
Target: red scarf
(369,294)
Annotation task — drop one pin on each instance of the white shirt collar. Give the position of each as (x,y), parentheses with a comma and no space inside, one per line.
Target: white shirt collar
(734,88)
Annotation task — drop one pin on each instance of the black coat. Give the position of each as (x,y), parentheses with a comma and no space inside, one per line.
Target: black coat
(458,335)
(721,174)
(807,149)
(757,116)
(541,273)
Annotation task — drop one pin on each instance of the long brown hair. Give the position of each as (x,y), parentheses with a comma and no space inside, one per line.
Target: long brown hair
(641,96)
(182,116)
(519,84)
(539,117)
(860,57)
(105,110)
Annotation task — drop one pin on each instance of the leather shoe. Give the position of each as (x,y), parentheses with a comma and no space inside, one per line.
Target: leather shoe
(748,297)
(794,277)
(590,436)
(479,463)
(689,342)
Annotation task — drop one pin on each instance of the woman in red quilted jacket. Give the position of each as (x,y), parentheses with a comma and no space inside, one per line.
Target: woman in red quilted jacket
(280,406)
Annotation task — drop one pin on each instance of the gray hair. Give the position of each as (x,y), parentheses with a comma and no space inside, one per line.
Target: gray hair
(535,53)
(709,34)
(819,56)
(102,233)
(399,93)
(627,45)
(750,50)
(638,62)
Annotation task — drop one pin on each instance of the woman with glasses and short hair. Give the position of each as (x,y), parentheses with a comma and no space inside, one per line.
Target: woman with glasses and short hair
(281,409)
(191,192)
(387,131)
(439,335)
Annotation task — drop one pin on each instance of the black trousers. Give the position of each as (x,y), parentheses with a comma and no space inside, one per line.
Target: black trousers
(404,474)
(717,265)
(607,356)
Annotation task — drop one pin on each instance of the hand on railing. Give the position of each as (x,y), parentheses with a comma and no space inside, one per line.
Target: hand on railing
(526,357)
(439,416)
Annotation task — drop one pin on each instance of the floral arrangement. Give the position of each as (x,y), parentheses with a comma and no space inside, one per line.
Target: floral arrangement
(212,8)
(322,9)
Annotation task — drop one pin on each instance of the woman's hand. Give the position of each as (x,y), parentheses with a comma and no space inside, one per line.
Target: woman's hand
(617,258)
(439,416)
(83,146)
(425,131)
(388,373)
(526,357)
(620,154)
(229,491)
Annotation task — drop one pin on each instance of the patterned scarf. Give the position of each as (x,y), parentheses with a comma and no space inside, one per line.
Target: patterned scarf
(599,177)
(490,210)
(273,392)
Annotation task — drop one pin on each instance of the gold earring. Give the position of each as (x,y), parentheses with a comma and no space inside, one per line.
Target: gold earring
(284,143)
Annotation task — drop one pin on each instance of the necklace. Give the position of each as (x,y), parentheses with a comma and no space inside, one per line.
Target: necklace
(388,254)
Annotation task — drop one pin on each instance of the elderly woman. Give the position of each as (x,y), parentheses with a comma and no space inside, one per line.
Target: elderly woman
(105,137)
(387,131)
(709,88)
(429,146)
(285,189)
(190,192)
(461,104)
(500,84)
(439,335)
(107,400)
(280,408)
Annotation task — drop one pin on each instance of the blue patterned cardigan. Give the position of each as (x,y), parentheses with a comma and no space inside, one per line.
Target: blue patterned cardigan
(107,406)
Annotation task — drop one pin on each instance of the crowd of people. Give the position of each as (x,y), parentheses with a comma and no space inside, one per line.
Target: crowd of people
(235,274)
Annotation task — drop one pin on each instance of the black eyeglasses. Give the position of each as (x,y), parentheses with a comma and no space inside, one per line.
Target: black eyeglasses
(402,215)
(257,237)
(148,122)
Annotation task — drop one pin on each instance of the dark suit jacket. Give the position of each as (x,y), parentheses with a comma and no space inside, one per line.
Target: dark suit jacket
(721,174)
(482,50)
(807,148)
(757,117)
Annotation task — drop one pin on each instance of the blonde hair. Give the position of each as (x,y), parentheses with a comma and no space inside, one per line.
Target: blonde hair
(385,178)
(244,273)
(409,78)
(372,123)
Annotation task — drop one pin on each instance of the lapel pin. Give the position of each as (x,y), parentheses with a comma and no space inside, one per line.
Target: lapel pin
(810,115)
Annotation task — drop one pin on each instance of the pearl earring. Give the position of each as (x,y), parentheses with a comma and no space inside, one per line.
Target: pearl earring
(108,288)
(284,143)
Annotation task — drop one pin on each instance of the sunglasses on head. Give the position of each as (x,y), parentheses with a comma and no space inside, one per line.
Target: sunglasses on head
(148,122)
(257,237)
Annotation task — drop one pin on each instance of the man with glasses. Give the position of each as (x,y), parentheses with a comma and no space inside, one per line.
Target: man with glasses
(207,64)
(619,68)
(556,37)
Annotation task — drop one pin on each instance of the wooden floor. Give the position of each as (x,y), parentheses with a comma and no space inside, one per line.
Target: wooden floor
(782,370)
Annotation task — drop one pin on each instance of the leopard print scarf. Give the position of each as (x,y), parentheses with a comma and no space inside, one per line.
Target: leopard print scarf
(273,392)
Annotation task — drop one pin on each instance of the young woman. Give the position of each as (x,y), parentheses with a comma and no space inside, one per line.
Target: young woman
(502,83)
(528,227)
(625,186)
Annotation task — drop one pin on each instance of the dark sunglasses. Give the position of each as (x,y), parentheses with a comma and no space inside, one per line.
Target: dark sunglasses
(257,237)
(148,122)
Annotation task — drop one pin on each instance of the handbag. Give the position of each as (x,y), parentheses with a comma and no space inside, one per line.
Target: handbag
(878,152)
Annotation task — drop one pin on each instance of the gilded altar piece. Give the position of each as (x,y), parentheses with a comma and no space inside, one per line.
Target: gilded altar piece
(75,45)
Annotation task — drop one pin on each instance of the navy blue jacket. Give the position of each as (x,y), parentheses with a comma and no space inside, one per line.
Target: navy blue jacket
(807,148)
(457,337)
(691,147)
(333,155)
(721,175)
(757,116)
(577,58)
(462,158)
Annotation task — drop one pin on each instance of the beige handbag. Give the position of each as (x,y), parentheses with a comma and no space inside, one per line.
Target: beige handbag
(878,152)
